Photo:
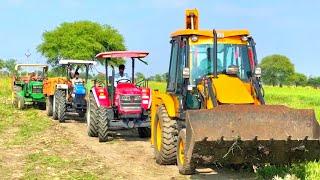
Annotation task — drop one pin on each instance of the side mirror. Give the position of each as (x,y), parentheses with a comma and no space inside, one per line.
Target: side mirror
(186,73)
(257,72)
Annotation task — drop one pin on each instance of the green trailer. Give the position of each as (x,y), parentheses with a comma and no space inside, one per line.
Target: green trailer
(27,88)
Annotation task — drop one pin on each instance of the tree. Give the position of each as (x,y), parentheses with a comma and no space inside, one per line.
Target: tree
(276,69)
(80,40)
(10,65)
(165,76)
(158,78)
(299,79)
(1,64)
(314,81)
(139,76)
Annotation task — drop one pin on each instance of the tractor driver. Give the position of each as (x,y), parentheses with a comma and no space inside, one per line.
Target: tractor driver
(76,79)
(121,76)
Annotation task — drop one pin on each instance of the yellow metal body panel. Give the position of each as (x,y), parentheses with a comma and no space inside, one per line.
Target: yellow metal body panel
(231,90)
(192,17)
(159,99)
(208,33)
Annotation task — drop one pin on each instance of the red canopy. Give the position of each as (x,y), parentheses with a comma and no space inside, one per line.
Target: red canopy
(122,54)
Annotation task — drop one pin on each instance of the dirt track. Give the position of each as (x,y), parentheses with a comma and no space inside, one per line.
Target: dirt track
(131,157)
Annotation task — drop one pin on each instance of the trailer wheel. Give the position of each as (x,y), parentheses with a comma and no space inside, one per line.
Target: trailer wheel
(42,106)
(20,103)
(144,132)
(92,128)
(165,137)
(55,106)
(49,105)
(61,102)
(184,165)
(104,116)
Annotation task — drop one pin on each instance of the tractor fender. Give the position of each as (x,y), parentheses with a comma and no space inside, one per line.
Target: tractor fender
(100,95)
(167,101)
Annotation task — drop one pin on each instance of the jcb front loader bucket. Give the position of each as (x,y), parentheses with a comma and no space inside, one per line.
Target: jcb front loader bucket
(236,134)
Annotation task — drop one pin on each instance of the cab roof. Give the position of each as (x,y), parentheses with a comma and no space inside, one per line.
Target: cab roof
(73,61)
(209,33)
(122,54)
(30,65)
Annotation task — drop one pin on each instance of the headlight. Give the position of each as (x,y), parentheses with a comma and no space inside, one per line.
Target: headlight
(125,98)
(137,98)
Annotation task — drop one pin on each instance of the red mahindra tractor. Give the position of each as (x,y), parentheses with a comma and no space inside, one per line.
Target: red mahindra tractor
(123,104)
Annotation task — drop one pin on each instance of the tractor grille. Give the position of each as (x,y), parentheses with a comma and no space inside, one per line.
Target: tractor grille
(36,89)
(130,102)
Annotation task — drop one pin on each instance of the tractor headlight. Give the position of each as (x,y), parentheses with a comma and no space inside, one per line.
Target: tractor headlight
(125,98)
(137,98)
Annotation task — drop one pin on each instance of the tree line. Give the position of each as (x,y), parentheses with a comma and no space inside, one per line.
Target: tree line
(84,39)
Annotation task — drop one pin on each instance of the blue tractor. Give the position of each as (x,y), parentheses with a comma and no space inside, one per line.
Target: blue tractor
(70,93)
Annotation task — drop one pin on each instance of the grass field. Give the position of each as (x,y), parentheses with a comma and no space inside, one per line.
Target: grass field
(24,130)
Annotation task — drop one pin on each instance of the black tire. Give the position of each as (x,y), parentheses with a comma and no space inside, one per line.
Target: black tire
(49,105)
(92,124)
(20,104)
(14,97)
(55,106)
(82,114)
(165,152)
(61,98)
(144,132)
(42,106)
(103,117)
(184,165)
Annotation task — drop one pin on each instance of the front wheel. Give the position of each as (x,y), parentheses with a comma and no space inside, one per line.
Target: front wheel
(165,137)
(92,124)
(103,117)
(183,162)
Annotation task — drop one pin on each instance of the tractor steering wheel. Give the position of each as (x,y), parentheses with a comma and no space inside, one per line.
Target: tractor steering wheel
(124,81)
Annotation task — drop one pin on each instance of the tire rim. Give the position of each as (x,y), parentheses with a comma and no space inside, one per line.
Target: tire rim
(159,136)
(181,152)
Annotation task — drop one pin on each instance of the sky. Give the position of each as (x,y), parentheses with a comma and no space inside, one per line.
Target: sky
(282,27)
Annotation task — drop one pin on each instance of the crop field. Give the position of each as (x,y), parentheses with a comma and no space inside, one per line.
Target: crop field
(35,147)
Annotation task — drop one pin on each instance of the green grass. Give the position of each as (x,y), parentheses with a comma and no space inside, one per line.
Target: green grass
(45,166)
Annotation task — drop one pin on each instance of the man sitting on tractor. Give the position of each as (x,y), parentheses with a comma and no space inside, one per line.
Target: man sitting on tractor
(76,79)
(121,76)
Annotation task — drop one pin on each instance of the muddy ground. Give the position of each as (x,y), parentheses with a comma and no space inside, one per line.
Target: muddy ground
(131,157)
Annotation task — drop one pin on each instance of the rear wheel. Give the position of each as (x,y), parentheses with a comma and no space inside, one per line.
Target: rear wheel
(103,117)
(55,107)
(184,165)
(61,100)
(49,105)
(20,103)
(144,132)
(92,128)
(165,137)
(14,96)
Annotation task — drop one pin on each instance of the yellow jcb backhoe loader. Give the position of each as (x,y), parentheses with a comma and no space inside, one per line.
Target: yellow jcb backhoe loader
(213,110)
